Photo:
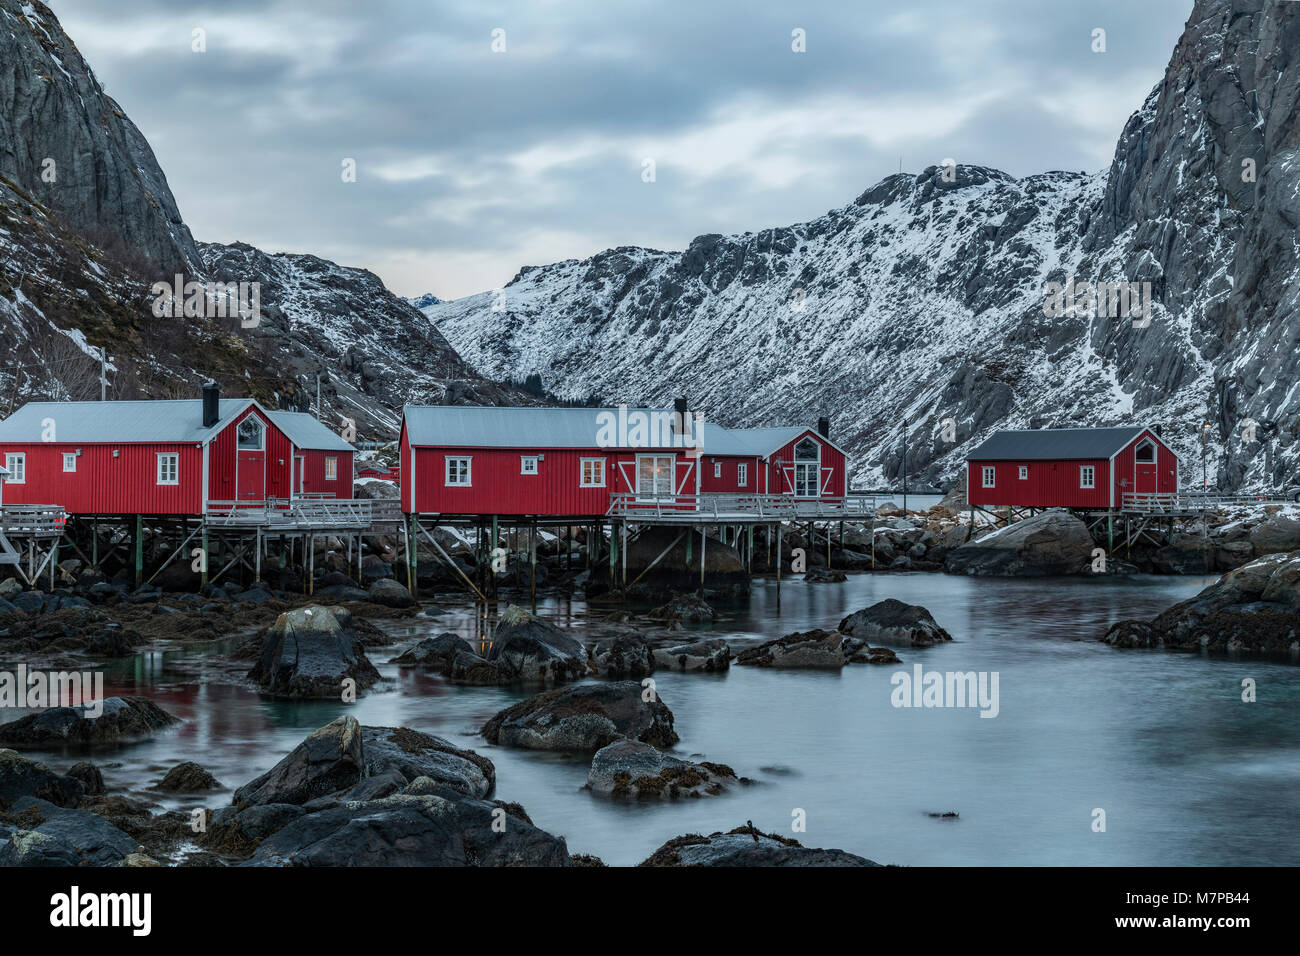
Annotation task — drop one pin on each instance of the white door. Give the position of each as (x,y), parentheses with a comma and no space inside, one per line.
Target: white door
(654,476)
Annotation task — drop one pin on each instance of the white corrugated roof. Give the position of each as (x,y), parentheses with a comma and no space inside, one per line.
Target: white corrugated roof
(306,432)
(175,420)
(490,426)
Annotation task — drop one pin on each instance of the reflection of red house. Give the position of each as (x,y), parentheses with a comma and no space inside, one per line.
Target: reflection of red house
(166,457)
(559,461)
(1070,467)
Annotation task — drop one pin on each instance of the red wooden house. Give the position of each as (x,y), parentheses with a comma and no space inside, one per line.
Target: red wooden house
(1069,468)
(167,457)
(571,462)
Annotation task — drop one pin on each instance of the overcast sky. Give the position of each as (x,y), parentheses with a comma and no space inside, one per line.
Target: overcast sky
(471,163)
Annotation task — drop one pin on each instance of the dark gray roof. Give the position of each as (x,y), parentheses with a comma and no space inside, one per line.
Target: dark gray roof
(1055,443)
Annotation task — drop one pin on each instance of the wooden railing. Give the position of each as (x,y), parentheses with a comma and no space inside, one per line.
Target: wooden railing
(724,507)
(1188,501)
(299,512)
(33,520)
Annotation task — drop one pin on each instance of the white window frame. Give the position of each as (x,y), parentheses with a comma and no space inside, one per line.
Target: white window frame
(16,465)
(528,460)
(717,469)
(331,468)
(165,458)
(988,476)
(1087,476)
(69,458)
(1024,472)
(261,434)
(598,466)
(1155,452)
(742,474)
(469,473)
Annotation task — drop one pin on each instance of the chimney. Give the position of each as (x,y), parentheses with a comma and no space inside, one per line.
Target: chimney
(1160,431)
(681,424)
(824,427)
(211,404)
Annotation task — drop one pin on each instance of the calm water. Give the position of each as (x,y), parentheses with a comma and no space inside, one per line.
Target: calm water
(1186,772)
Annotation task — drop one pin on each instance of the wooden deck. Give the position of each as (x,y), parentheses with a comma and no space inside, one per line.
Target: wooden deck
(738,509)
(304,513)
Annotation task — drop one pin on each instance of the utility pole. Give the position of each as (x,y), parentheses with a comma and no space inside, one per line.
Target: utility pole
(904,464)
(318,396)
(1205,440)
(103,373)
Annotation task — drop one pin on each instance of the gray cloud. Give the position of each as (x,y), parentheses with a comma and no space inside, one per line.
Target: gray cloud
(471,163)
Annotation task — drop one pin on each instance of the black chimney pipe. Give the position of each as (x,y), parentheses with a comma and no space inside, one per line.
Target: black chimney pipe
(824,427)
(681,424)
(211,404)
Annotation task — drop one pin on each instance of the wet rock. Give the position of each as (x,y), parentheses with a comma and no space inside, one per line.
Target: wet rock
(710,655)
(1252,610)
(808,649)
(536,651)
(413,754)
(434,653)
(443,829)
(1277,534)
(747,846)
(685,608)
(584,719)
(629,768)
(828,576)
(896,624)
(328,760)
(236,831)
(123,719)
(468,668)
(1051,543)
(621,657)
(21,777)
(10,588)
(63,837)
(309,652)
(389,593)
(341,592)
(89,776)
(188,777)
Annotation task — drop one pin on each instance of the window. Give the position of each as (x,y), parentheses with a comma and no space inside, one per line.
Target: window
(331,469)
(654,476)
(169,469)
(990,476)
(1024,472)
(1087,476)
(1146,452)
(807,467)
(69,461)
(250,434)
(742,475)
(16,465)
(717,469)
(527,464)
(458,471)
(593,473)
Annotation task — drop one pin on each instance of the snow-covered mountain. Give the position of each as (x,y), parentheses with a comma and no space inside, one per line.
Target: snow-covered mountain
(923,300)
(88,225)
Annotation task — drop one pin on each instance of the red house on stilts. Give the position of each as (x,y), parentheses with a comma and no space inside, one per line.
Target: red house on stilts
(1078,468)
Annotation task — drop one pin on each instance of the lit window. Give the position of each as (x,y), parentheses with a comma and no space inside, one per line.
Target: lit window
(331,469)
(16,465)
(1087,476)
(458,471)
(593,473)
(169,469)
(742,474)
(527,464)
(1024,472)
(69,461)
(250,434)
(990,476)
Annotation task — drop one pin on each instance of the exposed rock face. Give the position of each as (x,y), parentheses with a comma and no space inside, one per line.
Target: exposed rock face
(61,837)
(971,341)
(1252,610)
(123,719)
(746,846)
(710,655)
(895,624)
(343,755)
(446,829)
(434,653)
(583,719)
(1051,543)
(536,651)
(309,652)
(807,649)
(21,777)
(629,768)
